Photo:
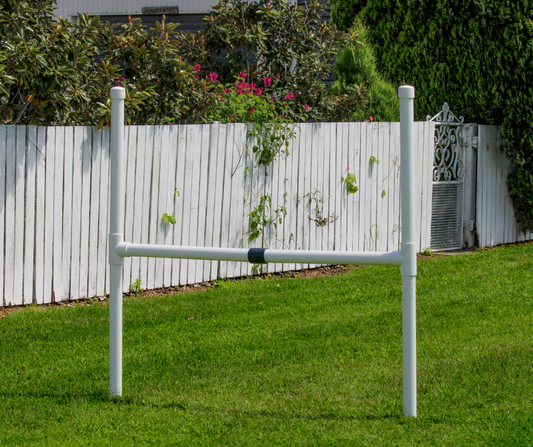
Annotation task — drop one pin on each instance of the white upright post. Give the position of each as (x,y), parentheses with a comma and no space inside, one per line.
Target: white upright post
(116,224)
(406,93)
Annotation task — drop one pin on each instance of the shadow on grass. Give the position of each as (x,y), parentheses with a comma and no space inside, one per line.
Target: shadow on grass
(68,397)
(102,397)
(271,414)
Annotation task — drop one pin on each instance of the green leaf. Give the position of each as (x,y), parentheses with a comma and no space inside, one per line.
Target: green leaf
(169,219)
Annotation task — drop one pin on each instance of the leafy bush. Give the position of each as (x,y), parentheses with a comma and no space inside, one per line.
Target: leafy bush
(269,114)
(42,65)
(277,40)
(344,11)
(57,73)
(476,55)
(357,67)
(520,185)
(162,89)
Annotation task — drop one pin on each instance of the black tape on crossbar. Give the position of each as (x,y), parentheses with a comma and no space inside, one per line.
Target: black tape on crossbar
(256,256)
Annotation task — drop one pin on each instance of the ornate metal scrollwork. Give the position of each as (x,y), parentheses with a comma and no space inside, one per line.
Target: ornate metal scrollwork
(449,140)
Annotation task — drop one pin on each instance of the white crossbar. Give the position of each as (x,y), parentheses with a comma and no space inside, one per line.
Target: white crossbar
(406,258)
(125,249)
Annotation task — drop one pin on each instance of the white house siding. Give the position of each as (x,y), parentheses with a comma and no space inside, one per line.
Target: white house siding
(70,8)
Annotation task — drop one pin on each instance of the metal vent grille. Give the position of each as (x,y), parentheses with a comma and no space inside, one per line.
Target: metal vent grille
(447,216)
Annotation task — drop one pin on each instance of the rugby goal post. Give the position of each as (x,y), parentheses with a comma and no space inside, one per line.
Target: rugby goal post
(406,257)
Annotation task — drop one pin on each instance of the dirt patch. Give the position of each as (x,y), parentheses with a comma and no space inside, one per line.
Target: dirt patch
(103,300)
(308,273)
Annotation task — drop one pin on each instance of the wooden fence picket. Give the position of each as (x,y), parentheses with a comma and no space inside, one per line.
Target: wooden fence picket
(164,191)
(70,247)
(76,194)
(20,183)
(29,216)
(85,208)
(180,201)
(3,211)
(49,161)
(40,198)
(171,141)
(130,144)
(103,224)
(203,180)
(94,213)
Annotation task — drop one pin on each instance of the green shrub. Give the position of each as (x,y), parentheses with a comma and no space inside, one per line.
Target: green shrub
(269,114)
(277,40)
(344,11)
(57,73)
(520,185)
(475,54)
(60,74)
(357,67)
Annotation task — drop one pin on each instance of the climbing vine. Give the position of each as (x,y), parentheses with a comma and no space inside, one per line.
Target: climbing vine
(349,181)
(260,217)
(317,216)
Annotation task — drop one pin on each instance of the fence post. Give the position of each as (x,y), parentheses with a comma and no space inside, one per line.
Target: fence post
(406,94)
(116,226)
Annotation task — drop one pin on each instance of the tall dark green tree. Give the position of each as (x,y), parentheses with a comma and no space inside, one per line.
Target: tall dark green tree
(475,54)
(356,66)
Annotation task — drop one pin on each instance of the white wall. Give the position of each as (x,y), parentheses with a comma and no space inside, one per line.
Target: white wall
(495,218)
(54,201)
(70,8)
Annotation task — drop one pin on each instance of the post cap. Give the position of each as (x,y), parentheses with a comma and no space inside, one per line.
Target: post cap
(406,91)
(118,93)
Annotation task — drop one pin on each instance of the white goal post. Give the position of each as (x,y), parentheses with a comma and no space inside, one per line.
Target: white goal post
(406,257)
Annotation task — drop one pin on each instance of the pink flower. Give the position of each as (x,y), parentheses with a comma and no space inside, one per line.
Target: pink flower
(213,77)
(242,74)
(371,118)
(197,67)
(289,96)
(307,107)
(252,110)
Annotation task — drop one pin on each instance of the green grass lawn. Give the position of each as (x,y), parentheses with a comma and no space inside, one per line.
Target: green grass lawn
(288,362)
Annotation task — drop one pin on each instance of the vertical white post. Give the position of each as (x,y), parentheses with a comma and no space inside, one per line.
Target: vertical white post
(406,93)
(116,224)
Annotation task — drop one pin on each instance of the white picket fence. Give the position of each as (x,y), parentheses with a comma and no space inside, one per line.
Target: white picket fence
(55,200)
(495,219)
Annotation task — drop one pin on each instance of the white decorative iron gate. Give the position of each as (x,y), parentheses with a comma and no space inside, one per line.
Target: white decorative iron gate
(448,181)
